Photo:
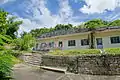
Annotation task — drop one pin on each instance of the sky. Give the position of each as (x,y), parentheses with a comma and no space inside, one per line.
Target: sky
(48,13)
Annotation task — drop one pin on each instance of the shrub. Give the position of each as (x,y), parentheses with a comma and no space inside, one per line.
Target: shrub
(6,64)
(25,43)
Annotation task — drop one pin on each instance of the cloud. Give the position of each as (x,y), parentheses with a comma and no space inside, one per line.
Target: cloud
(65,11)
(99,6)
(5,1)
(42,17)
(37,15)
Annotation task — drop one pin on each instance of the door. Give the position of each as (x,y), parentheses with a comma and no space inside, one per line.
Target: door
(60,44)
(99,43)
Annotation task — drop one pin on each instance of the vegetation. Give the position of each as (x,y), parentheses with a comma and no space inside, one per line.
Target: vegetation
(38,32)
(75,52)
(112,50)
(24,43)
(84,51)
(8,32)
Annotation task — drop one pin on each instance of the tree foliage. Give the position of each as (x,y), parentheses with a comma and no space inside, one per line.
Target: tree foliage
(38,32)
(12,27)
(95,23)
(115,23)
(8,30)
(3,21)
(24,43)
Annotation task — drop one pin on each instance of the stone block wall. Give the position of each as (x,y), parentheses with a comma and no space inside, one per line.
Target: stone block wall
(86,64)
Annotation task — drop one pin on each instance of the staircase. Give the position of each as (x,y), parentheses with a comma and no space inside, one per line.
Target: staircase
(32,59)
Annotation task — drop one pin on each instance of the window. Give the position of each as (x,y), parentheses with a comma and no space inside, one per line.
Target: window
(84,42)
(115,39)
(71,43)
(51,44)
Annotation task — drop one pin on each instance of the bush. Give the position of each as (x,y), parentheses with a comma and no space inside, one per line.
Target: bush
(6,64)
(112,50)
(25,43)
(75,52)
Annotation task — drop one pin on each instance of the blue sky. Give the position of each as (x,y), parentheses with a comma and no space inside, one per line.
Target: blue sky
(48,13)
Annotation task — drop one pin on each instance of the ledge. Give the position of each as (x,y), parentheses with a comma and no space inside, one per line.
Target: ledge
(61,70)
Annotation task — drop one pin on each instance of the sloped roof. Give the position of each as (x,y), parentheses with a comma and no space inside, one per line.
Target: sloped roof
(75,30)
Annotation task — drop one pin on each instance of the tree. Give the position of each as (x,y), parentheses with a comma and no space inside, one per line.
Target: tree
(12,27)
(24,43)
(115,23)
(91,25)
(62,26)
(3,21)
(38,32)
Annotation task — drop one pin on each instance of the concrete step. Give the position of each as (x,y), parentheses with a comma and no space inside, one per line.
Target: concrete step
(61,70)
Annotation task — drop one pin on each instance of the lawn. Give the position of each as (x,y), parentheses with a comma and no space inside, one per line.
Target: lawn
(84,51)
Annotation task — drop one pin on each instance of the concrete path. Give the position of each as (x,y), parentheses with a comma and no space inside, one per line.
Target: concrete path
(25,72)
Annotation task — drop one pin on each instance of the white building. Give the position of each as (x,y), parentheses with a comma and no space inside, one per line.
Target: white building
(108,37)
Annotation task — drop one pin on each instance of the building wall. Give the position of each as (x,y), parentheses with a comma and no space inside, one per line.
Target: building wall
(105,35)
(106,38)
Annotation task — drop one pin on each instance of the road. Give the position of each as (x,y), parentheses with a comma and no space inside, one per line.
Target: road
(25,72)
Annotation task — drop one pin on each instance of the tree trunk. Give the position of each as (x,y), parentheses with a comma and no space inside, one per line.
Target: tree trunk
(92,40)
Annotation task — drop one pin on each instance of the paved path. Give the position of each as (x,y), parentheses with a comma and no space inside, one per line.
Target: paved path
(25,72)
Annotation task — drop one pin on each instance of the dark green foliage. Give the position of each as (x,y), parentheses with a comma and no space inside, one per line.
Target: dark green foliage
(62,26)
(5,39)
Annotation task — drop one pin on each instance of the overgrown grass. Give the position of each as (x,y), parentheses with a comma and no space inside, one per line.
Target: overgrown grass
(75,52)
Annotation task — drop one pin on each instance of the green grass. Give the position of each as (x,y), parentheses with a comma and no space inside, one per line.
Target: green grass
(84,51)
(75,52)
(112,50)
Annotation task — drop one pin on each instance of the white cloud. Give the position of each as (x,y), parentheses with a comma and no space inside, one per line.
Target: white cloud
(42,17)
(5,1)
(99,6)
(65,10)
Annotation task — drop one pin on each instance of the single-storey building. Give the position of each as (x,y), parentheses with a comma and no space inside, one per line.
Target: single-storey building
(106,37)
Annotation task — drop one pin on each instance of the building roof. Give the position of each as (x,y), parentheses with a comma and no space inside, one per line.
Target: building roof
(75,30)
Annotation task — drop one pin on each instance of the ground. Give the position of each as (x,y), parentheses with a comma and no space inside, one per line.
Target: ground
(27,72)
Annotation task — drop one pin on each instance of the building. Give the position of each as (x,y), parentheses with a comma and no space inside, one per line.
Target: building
(106,37)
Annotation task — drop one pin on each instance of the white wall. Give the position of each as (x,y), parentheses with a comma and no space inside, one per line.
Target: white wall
(107,42)
(78,45)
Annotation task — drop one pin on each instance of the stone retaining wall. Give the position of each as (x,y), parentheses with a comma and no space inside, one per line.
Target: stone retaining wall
(85,64)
